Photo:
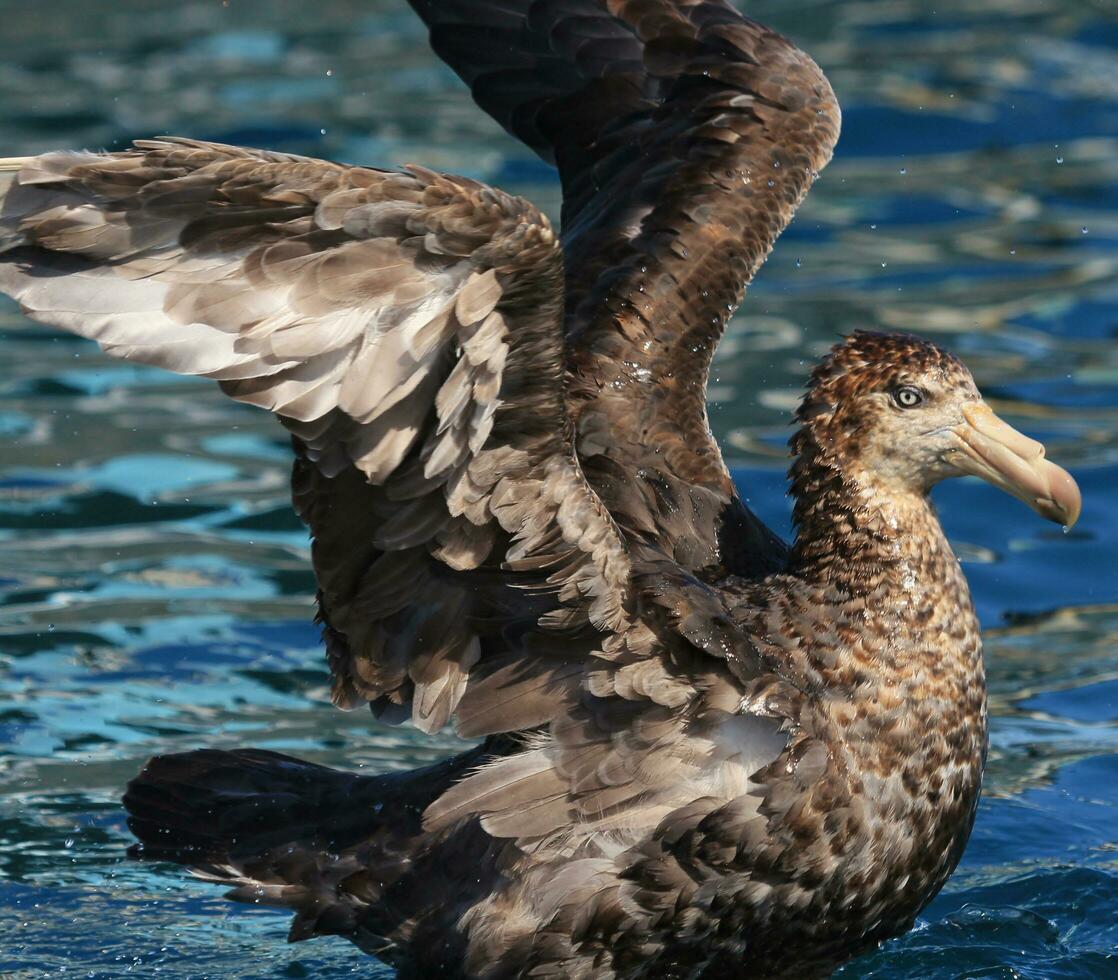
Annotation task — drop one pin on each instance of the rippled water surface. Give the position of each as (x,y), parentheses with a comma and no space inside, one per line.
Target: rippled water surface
(154,584)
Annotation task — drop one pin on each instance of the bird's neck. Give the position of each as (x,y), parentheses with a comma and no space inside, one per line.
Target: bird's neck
(852,532)
(892,617)
(877,561)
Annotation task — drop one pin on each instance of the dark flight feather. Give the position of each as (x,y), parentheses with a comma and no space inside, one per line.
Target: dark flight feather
(685,136)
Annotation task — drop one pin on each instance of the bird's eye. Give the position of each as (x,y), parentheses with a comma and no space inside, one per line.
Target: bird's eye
(908,397)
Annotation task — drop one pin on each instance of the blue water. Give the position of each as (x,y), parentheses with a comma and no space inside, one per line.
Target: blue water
(154,584)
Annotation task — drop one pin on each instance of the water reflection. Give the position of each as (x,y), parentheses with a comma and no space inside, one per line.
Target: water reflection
(154,588)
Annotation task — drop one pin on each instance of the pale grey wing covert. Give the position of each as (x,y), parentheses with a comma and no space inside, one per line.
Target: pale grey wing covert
(404,327)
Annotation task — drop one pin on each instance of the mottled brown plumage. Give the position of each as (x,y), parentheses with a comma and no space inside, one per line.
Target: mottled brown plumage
(703,753)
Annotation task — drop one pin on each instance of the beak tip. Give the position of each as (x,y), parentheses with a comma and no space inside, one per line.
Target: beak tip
(1072,519)
(1056,513)
(1065,497)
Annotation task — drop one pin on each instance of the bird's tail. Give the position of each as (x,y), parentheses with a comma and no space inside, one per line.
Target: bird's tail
(280,831)
(347,852)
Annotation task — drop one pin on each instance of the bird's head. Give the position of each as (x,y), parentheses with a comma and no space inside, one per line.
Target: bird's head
(898,413)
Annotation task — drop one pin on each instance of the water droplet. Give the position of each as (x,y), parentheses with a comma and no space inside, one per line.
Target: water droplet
(799,264)
(1059,159)
(904,170)
(69,842)
(322,131)
(884,264)
(873,227)
(329,72)
(50,627)
(772,183)
(776,165)
(1084,230)
(1013,251)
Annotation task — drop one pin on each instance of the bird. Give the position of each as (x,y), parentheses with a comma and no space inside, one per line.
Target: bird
(700,750)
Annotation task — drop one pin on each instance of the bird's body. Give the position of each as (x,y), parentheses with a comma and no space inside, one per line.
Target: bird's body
(702,752)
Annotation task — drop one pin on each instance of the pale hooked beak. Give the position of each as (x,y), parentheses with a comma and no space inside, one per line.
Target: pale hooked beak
(1001,455)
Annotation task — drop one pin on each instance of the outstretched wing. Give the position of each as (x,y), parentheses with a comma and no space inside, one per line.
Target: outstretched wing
(405,328)
(685,136)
